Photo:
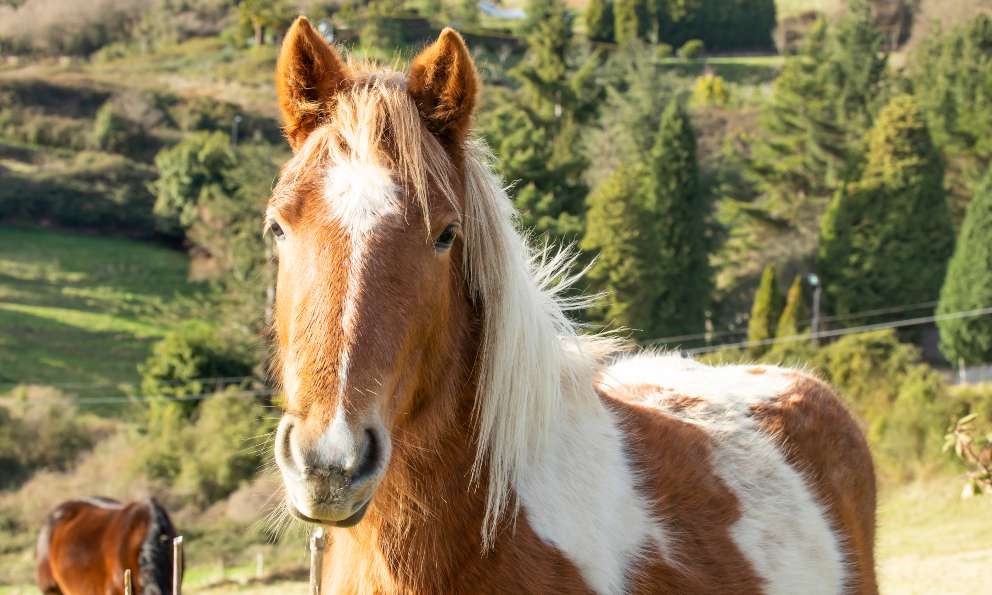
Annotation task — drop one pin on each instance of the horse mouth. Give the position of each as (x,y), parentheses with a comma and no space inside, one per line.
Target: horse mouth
(351,521)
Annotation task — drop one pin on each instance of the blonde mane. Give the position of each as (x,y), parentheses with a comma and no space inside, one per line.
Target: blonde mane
(533,360)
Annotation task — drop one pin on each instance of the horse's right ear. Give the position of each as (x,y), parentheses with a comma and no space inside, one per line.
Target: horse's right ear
(308,75)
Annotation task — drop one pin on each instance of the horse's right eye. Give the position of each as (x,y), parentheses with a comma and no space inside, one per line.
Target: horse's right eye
(276,230)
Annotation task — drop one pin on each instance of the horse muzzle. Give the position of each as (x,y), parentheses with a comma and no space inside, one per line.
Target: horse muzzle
(331,480)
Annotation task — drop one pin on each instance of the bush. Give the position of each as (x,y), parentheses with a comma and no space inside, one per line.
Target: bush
(41,429)
(189,173)
(68,26)
(692,50)
(710,89)
(189,362)
(226,434)
(901,400)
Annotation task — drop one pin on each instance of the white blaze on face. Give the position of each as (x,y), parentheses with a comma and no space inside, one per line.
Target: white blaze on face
(361,195)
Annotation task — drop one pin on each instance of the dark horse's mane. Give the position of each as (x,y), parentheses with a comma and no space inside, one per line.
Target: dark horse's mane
(155,558)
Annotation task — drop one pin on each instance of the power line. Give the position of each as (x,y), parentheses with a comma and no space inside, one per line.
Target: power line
(108,400)
(862,314)
(81,385)
(848,331)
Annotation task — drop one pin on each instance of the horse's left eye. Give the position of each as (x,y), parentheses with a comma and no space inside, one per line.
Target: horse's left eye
(446,239)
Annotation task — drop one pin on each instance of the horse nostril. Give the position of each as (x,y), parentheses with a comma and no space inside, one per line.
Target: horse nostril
(370,460)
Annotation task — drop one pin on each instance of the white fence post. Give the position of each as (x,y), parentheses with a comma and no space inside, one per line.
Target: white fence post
(317,543)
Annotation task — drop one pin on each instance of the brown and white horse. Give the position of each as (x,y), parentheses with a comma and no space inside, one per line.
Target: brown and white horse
(446,418)
(85,546)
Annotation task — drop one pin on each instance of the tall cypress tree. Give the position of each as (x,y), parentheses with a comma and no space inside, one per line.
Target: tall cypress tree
(968,285)
(536,131)
(765,312)
(626,21)
(794,315)
(618,231)
(675,204)
(886,239)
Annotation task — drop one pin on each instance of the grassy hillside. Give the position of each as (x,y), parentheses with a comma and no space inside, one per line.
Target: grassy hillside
(81,309)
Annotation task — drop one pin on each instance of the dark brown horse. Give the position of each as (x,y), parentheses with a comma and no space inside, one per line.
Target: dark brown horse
(86,545)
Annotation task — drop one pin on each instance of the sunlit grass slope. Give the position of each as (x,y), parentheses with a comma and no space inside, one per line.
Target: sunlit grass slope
(81,309)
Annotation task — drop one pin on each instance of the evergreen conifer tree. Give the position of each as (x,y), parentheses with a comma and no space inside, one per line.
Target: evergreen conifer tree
(886,239)
(599,20)
(968,285)
(765,312)
(536,132)
(794,315)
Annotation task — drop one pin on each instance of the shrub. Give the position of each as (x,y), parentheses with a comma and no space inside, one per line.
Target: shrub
(111,131)
(710,89)
(226,433)
(901,400)
(41,429)
(69,26)
(692,50)
(190,362)
(228,440)
(189,173)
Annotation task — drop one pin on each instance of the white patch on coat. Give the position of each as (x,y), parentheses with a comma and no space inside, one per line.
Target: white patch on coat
(783,530)
(361,195)
(581,496)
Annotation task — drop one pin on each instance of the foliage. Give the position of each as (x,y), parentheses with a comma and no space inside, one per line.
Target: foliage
(952,81)
(692,49)
(626,21)
(224,432)
(710,89)
(190,173)
(886,239)
(968,285)
(599,20)
(615,229)
(765,312)
(40,428)
(536,130)
(901,400)
(808,146)
(265,16)
(794,315)
(974,451)
(68,26)
(189,362)
(228,436)
(721,25)
(111,130)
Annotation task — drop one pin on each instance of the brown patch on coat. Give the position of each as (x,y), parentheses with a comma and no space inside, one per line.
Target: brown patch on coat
(820,439)
(673,458)
(756,371)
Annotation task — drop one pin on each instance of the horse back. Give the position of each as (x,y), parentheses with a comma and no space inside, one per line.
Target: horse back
(91,543)
(763,480)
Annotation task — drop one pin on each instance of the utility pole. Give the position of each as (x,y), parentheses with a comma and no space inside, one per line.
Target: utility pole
(234,130)
(814,281)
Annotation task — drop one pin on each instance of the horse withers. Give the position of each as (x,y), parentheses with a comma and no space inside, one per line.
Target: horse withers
(85,546)
(454,427)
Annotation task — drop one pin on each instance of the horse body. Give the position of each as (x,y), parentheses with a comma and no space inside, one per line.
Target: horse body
(454,428)
(86,545)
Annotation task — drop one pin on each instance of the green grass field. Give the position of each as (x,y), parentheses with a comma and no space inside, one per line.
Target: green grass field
(82,310)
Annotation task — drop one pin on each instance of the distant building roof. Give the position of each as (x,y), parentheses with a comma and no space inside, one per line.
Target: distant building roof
(502,12)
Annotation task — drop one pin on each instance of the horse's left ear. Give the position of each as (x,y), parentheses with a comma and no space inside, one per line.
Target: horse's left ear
(444,84)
